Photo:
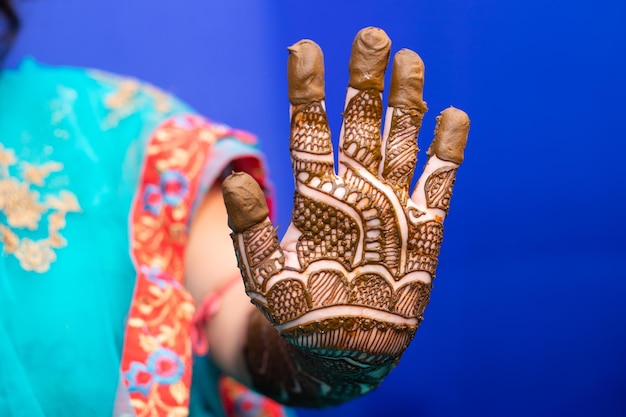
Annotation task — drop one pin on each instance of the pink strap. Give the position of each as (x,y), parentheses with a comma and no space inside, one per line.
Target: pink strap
(206,310)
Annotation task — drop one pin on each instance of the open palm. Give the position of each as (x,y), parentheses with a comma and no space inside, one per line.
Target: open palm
(352,276)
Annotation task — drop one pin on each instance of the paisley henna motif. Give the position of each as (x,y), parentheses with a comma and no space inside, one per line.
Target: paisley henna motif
(438,188)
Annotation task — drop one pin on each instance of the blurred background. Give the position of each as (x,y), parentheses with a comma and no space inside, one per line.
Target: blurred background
(528,315)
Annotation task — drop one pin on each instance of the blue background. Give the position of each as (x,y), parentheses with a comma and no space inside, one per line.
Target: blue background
(527,318)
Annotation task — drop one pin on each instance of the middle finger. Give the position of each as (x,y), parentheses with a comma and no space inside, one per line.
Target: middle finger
(359,142)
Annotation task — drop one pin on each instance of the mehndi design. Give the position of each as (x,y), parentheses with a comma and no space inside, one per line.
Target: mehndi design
(348,286)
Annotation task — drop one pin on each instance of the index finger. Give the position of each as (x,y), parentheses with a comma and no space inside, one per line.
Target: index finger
(310,141)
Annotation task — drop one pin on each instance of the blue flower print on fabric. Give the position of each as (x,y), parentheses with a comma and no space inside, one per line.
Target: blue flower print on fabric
(165,366)
(152,201)
(139,378)
(172,189)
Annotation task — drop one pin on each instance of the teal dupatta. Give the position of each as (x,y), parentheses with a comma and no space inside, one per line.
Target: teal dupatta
(72,142)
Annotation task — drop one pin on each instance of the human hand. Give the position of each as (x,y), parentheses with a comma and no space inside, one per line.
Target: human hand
(352,276)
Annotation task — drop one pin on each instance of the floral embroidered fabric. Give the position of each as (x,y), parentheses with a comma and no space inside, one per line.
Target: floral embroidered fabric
(157,358)
(73,143)
(24,208)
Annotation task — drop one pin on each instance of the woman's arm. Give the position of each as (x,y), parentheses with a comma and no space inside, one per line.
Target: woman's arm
(210,267)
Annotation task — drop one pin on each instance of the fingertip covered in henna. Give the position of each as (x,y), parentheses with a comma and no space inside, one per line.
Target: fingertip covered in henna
(305,72)
(245,201)
(450,135)
(407,81)
(368,62)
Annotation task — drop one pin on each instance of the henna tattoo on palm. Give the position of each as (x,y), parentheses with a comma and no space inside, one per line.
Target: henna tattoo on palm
(352,277)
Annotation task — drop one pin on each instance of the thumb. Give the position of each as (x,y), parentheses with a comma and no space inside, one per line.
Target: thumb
(259,255)
(245,201)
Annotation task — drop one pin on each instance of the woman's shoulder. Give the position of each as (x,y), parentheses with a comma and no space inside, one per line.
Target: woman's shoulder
(111,100)
(30,69)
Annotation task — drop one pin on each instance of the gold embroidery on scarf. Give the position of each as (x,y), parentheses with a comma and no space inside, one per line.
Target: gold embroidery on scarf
(128,97)
(62,109)
(24,209)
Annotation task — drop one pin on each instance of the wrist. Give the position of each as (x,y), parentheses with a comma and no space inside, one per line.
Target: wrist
(306,376)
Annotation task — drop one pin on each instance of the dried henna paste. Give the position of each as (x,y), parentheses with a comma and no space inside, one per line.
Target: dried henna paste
(368,62)
(450,135)
(245,201)
(305,73)
(407,81)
